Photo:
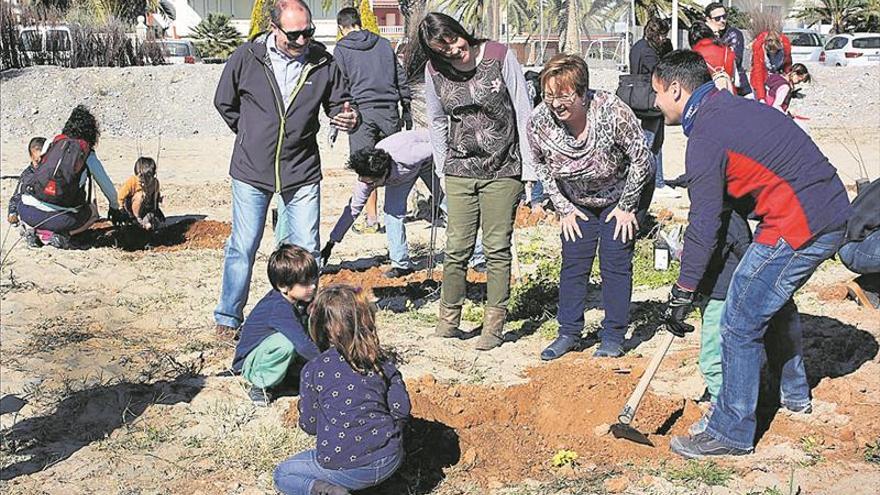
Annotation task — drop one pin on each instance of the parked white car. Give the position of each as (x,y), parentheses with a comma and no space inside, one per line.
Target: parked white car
(806,45)
(180,52)
(852,49)
(46,44)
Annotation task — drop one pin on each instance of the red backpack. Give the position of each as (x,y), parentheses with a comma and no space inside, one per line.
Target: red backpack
(56,179)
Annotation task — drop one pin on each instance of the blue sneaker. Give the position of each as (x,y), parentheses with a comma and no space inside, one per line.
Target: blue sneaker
(559,347)
(609,350)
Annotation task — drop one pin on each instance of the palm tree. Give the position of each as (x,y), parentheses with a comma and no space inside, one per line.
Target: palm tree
(842,14)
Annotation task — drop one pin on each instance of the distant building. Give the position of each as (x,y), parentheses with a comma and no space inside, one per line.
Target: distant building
(387,12)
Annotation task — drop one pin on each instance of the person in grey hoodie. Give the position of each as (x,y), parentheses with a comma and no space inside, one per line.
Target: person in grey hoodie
(376,80)
(269,95)
(396,162)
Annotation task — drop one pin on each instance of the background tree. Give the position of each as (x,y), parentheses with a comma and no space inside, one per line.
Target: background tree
(368,17)
(216,37)
(259,18)
(843,15)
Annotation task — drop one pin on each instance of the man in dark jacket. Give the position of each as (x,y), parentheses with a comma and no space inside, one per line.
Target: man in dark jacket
(717,19)
(739,148)
(269,94)
(376,80)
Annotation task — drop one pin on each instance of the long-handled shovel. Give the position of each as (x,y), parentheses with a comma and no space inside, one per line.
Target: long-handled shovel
(622,428)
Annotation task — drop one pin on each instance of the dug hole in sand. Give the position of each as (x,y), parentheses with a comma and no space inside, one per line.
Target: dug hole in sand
(508,434)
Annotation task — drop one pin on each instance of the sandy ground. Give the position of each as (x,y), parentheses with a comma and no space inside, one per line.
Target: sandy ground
(126,391)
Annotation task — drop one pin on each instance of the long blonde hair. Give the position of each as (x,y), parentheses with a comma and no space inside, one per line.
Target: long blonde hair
(344,317)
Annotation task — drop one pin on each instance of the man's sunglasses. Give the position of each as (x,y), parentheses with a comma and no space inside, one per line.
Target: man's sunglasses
(293,36)
(719,18)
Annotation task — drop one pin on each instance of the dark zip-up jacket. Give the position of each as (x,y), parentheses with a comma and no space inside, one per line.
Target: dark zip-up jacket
(276,149)
(375,76)
(740,148)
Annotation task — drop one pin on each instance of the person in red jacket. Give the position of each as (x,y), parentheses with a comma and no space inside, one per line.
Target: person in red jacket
(720,58)
(771,54)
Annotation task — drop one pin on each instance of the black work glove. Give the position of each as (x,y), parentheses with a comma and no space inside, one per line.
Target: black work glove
(679,306)
(406,115)
(325,253)
(118,217)
(680,181)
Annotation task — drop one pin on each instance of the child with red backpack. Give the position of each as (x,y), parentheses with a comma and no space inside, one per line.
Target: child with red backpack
(56,200)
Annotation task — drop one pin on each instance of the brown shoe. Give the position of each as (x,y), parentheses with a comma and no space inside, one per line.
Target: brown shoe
(225,332)
(493,327)
(447,327)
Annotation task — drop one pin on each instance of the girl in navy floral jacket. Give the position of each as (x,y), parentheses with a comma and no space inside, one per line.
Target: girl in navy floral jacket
(351,397)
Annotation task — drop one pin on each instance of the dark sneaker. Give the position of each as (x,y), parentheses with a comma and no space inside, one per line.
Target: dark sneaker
(398,272)
(261,397)
(805,409)
(59,241)
(702,445)
(559,347)
(609,350)
(321,487)
(225,332)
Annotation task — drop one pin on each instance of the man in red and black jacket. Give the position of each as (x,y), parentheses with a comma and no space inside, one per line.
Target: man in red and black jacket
(738,148)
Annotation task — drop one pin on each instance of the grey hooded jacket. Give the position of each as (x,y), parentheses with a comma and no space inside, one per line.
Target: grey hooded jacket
(372,70)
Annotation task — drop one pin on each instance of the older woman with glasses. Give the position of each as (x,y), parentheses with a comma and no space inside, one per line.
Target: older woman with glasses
(591,155)
(478,107)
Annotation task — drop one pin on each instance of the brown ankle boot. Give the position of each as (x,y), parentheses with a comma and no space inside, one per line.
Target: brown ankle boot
(493,327)
(447,327)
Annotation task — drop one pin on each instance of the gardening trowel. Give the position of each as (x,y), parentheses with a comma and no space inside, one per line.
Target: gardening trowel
(622,428)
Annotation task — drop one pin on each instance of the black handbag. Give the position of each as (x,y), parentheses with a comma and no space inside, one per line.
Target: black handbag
(636,91)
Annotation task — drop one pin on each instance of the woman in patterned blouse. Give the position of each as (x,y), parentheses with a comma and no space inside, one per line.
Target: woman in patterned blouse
(591,155)
(478,108)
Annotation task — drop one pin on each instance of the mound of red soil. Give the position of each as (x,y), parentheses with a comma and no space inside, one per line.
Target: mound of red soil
(185,234)
(527,217)
(511,433)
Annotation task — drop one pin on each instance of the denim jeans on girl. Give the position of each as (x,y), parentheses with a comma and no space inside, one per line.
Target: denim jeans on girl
(615,266)
(298,221)
(297,474)
(759,301)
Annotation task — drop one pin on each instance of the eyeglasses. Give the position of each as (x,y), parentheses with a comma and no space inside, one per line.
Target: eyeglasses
(293,36)
(564,99)
(719,18)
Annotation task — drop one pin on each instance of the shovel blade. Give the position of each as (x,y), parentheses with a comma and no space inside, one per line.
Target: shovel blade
(627,432)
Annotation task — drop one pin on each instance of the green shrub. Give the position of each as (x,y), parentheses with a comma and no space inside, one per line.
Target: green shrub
(216,37)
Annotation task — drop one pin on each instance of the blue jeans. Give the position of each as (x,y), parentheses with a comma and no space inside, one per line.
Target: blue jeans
(297,474)
(615,265)
(760,301)
(862,256)
(298,221)
(658,159)
(395,213)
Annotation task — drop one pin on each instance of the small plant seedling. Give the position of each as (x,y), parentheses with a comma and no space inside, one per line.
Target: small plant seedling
(812,447)
(564,458)
(872,452)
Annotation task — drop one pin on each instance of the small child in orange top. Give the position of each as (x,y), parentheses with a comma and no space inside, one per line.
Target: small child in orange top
(140,197)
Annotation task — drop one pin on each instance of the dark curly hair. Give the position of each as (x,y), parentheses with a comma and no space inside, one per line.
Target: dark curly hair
(82,125)
(374,163)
